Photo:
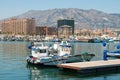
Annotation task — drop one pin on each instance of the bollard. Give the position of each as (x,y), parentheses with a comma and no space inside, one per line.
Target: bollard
(105,55)
(105,51)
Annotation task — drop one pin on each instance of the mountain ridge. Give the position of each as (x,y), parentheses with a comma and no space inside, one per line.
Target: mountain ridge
(83,18)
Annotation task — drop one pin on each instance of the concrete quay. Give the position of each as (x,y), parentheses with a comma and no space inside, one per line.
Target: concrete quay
(93,66)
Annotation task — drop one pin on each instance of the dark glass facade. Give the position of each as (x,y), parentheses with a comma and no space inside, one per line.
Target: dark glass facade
(65,28)
(69,22)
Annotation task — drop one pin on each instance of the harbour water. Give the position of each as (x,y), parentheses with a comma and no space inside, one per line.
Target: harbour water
(14,67)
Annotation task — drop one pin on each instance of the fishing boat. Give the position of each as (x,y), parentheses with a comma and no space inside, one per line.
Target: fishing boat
(58,53)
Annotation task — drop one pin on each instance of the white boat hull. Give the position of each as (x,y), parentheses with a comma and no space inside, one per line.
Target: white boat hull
(55,60)
(110,54)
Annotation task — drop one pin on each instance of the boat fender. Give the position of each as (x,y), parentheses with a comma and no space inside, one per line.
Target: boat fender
(104,44)
(29,46)
(118,46)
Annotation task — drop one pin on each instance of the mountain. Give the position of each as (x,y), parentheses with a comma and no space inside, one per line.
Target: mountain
(83,18)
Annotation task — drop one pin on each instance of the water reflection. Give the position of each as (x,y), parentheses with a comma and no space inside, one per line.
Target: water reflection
(13,47)
(52,73)
(13,64)
(46,73)
(12,61)
(88,47)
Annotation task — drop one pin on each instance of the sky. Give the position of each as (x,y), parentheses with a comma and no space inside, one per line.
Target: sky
(9,8)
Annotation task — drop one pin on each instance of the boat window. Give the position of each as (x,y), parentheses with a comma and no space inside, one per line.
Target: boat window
(42,50)
(44,44)
(64,43)
(38,45)
(65,49)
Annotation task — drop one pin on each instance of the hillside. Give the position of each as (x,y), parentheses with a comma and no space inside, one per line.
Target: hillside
(83,18)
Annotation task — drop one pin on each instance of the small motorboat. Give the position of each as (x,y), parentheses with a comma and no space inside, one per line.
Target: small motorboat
(114,54)
(41,54)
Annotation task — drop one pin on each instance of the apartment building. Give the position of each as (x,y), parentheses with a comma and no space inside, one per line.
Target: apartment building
(15,26)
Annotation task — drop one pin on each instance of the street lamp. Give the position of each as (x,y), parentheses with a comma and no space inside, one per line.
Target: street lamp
(105,21)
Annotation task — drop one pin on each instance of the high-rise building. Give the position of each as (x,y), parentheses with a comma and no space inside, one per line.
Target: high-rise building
(65,27)
(15,26)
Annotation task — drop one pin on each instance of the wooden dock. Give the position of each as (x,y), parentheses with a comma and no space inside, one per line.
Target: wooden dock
(93,66)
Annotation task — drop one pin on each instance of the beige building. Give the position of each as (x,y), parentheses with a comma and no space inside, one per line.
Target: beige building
(95,32)
(15,26)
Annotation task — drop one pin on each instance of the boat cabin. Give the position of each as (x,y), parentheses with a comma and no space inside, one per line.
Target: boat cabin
(39,49)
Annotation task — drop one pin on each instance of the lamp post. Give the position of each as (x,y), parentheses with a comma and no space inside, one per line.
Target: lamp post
(105,26)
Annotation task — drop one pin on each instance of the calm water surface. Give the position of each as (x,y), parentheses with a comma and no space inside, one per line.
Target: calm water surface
(13,65)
